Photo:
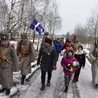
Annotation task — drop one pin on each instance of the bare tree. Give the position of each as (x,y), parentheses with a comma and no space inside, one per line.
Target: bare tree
(92,24)
(3,13)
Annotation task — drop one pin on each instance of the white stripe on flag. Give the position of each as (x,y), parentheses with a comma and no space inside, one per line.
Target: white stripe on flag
(36,25)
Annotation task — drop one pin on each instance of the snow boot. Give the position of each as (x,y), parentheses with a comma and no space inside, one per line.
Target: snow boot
(2,90)
(42,87)
(7,91)
(66,89)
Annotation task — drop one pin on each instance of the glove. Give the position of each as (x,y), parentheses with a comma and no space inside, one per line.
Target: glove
(54,67)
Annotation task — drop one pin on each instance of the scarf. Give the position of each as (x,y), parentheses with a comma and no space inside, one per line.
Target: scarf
(48,49)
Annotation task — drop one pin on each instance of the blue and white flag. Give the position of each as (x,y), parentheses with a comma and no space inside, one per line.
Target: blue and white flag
(37,26)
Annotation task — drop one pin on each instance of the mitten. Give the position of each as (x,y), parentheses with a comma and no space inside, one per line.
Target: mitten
(54,67)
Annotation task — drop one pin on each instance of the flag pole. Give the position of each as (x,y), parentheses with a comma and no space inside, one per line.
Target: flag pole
(27,30)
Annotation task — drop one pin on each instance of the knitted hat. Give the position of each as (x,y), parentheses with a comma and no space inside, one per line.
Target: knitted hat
(4,37)
(70,51)
(48,40)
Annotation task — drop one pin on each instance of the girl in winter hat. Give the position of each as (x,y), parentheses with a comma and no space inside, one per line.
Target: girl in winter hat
(68,67)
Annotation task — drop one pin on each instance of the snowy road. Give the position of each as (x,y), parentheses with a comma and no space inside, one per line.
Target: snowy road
(82,89)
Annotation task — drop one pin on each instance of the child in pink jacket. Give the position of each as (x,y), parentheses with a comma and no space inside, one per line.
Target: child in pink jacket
(67,63)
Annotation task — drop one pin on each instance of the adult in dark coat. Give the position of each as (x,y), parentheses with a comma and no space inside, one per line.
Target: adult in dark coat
(47,61)
(80,56)
(8,64)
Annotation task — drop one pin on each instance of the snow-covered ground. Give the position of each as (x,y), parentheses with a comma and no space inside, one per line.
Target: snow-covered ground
(83,89)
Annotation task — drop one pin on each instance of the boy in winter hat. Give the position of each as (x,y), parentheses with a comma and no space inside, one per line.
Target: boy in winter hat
(68,67)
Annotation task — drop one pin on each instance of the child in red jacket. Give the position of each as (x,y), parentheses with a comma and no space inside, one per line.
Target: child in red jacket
(69,65)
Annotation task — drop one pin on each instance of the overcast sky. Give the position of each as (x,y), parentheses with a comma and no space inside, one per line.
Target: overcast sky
(74,12)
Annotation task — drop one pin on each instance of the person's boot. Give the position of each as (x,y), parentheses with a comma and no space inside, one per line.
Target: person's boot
(42,87)
(48,83)
(22,79)
(2,90)
(75,79)
(7,91)
(66,89)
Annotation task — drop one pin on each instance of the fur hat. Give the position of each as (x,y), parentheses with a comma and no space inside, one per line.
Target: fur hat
(48,40)
(4,37)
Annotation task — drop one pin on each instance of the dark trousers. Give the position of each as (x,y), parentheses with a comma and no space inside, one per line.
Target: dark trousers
(77,73)
(43,75)
(58,55)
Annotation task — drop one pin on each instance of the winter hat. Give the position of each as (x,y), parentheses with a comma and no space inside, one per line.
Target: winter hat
(46,33)
(48,40)
(4,37)
(24,35)
(70,51)
(67,44)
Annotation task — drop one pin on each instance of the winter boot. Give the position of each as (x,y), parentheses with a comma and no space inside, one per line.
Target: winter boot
(48,83)
(22,79)
(66,89)
(96,85)
(42,87)
(75,79)
(7,91)
(2,90)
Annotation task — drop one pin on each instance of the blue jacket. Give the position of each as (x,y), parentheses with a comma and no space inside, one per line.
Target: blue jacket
(58,45)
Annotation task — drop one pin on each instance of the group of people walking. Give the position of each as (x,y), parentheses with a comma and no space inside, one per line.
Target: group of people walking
(72,61)
(9,61)
(49,54)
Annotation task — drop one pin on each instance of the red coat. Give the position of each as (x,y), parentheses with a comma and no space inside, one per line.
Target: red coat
(65,61)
